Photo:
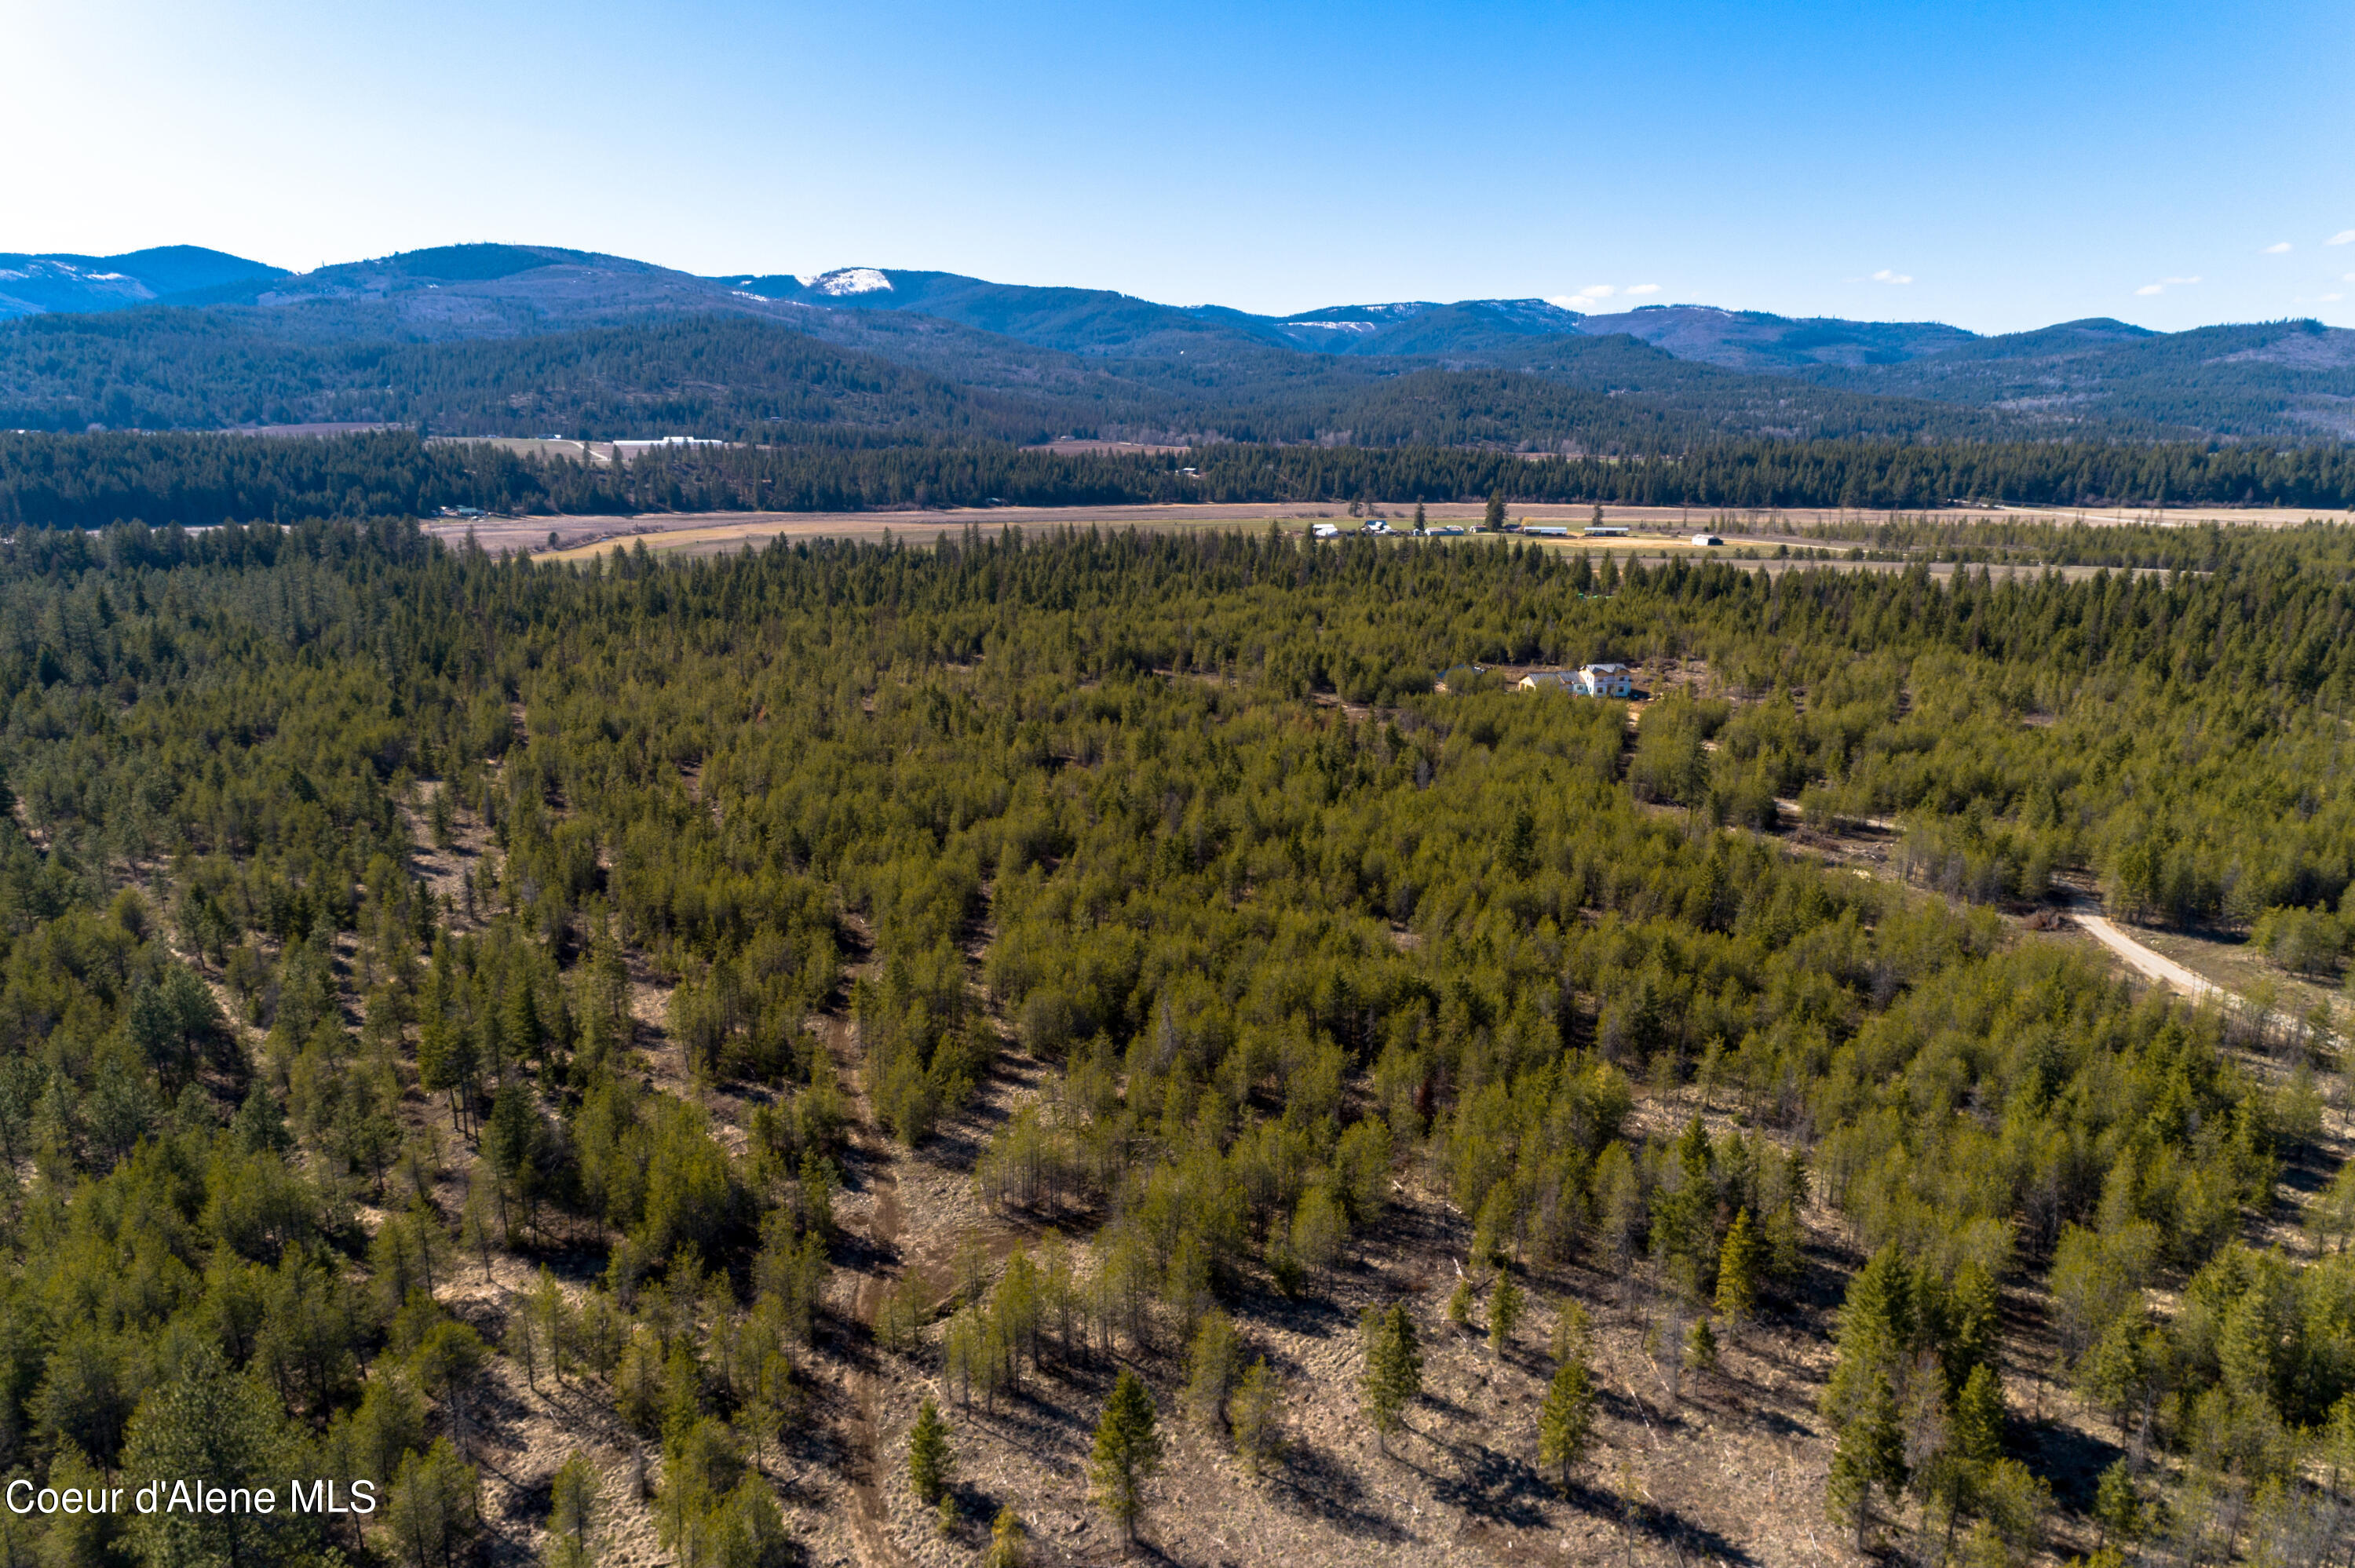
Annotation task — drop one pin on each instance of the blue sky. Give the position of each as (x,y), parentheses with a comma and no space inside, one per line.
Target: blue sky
(1998,166)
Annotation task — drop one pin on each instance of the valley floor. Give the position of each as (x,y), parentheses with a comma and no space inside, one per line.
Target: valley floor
(1657,530)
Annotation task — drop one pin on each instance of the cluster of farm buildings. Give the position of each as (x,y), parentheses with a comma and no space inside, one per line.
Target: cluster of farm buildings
(1586,681)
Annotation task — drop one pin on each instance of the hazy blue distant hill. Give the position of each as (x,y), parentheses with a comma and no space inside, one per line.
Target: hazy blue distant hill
(1076,320)
(1417,327)
(478,291)
(1754,340)
(33,285)
(2066,337)
(2290,378)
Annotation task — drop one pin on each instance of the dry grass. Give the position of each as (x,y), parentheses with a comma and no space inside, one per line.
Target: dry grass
(2227,960)
(1656,531)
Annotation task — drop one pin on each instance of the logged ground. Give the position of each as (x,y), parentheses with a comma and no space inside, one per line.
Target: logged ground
(1723,1468)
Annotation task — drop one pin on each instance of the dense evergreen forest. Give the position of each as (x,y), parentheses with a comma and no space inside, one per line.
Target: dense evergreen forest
(317,1162)
(91,481)
(165,370)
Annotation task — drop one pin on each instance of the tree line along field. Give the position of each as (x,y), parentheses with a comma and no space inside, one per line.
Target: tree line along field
(1045,1049)
(91,481)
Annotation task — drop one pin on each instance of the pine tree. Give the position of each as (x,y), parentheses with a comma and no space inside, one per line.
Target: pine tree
(572,1506)
(1979,1417)
(478,1227)
(259,1126)
(930,1462)
(2111,1373)
(1566,1422)
(1701,1347)
(1739,1264)
(1871,1453)
(1008,1542)
(214,1423)
(1973,1324)
(552,1319)
(2117,1504)
(1573,1331)
(430,1509)
(1393,1376)
(1126,1454)
(1875,1334)
(1504,1313)
(1212,1365)
(1459,1303)
(1255,1414)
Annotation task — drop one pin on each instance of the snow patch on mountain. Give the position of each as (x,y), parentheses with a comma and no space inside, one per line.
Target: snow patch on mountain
(844,280)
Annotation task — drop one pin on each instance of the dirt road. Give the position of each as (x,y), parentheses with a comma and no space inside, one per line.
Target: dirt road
(2150,964)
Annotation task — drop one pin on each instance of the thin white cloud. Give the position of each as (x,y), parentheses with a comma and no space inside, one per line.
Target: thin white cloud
(1886,276)
(2280,250)
(2350,278)
(2166,283)
(2344,237)
(2332,299)
(2152,289)
(1596,293)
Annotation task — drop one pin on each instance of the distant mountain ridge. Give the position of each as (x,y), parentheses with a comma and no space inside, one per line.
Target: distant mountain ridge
(179,334)
(38,284)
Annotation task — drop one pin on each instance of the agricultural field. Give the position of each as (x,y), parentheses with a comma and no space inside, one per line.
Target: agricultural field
(1655,533)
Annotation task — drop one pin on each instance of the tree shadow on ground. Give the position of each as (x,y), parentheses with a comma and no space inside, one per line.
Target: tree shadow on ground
(2071,1459)
(1498,1489)
(1316,1482)
(1662,1525)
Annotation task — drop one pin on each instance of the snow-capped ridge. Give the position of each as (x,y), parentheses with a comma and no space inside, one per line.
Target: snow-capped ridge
(844,280)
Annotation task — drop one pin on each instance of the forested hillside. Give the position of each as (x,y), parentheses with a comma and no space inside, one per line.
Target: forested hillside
(877,1053)
(804,375)
(181,338)
(168,369)
(2294,377)
(93,481)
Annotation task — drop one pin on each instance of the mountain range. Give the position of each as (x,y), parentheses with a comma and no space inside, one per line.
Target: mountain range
(529,340)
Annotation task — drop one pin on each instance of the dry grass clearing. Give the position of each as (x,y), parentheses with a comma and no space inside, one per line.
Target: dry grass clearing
(1655,533)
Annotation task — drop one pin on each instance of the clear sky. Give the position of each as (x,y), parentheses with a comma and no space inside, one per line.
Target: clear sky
(1995,165)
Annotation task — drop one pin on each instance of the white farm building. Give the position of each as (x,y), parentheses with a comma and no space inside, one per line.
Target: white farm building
(1605,680)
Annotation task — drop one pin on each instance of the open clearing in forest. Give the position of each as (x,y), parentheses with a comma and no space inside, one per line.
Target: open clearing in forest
(1656,531)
